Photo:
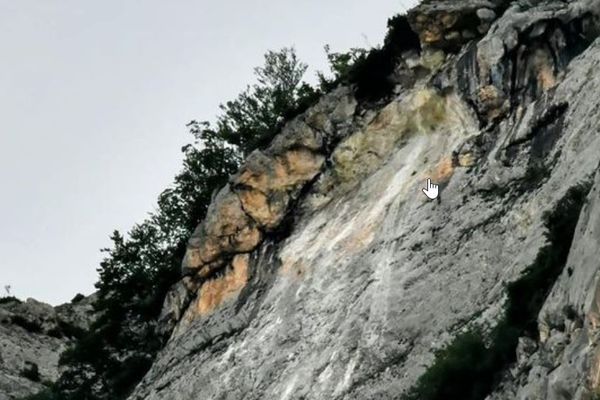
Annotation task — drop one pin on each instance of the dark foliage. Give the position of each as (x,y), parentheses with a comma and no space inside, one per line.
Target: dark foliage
(527,295)
(31,372)
(251,120)
(371,74)
(400,36)
(66,330)
(371,71)
(460,371)
(307,96)
(469,367)
(137,272)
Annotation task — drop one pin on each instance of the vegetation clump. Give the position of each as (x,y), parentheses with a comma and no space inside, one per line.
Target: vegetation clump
(252,119)
(31,372)
(371,70)
(470,366)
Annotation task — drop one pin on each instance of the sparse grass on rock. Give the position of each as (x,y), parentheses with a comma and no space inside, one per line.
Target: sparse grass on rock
(469,366)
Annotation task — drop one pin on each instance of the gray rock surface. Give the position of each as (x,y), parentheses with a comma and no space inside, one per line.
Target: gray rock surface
(370,278)
(32,337)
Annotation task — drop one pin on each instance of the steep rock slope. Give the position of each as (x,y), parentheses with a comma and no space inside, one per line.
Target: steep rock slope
(32,337)
(322,272)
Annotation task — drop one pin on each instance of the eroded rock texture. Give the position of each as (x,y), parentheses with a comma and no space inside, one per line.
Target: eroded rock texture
(322,272)
(32,337)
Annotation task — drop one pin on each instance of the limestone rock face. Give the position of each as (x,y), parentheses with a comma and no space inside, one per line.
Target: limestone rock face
(323,272)
(261,193)
(260,196)
(227,230)
(266,185)
(32,337)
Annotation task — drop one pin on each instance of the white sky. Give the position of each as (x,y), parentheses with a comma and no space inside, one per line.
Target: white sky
(95,98)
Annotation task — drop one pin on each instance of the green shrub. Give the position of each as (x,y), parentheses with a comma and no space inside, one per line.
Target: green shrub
(370,71)
(70,331)
(66,329)
(252,119)
(108,361)
(31,372)
(78,298)
(29,326)
(468,368)
(9,299)
(400,36)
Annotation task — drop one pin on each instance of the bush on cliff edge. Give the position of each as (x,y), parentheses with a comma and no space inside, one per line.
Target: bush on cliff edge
(370,71)
(111,358)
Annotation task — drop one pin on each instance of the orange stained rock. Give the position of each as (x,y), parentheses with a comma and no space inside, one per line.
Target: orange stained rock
(227,229)
(295,167)
(209,268)
(594,371)
(245,240)
(493,101)
(254,179)
(466,160)
(546,77)
(443,171)
(544,68)
(593,314)
(287,170)
(212,247)
(384,118)
(256,205)
(303,164)
(265,187)
(359,239)
(215,292)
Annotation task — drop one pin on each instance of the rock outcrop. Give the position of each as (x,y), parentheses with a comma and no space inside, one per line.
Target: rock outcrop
(322,272)
(448,24)
(32,337)
(256,203)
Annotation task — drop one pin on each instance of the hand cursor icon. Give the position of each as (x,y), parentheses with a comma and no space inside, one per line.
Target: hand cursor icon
(431,190)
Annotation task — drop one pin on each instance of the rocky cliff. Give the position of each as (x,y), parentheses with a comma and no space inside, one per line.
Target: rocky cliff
(322,272)
(32,337)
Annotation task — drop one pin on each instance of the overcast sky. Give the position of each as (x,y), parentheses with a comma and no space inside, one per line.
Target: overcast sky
(95,98)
